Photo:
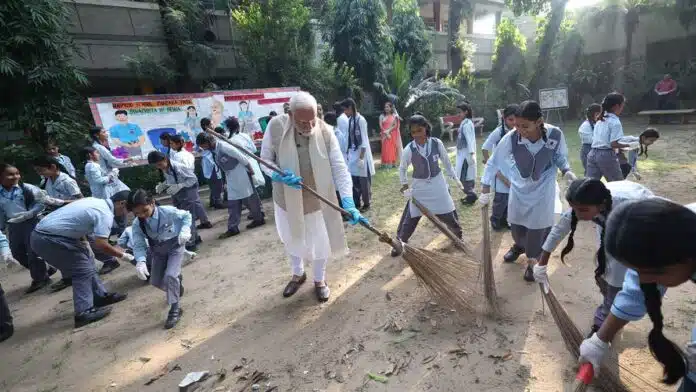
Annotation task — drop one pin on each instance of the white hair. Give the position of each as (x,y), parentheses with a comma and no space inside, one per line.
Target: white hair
(303,100)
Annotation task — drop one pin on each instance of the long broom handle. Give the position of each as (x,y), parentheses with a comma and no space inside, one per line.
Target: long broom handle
(440,225)
(383,236)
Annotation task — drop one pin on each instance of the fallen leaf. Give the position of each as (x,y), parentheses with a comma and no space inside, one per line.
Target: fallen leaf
(377,378)
(144,359)
(504,357)
(459,352)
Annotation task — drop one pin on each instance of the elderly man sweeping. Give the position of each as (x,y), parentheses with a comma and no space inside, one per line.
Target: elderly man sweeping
(305,148)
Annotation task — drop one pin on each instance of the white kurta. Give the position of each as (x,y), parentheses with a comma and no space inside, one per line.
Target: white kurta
(468,132)
(354,153)
(432,192)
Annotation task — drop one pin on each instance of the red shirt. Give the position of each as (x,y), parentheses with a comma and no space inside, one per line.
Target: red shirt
(664,86)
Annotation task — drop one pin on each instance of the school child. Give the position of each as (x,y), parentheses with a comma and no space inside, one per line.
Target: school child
(428,185)
(125,241)
(586,132)
(181,184)
(359,157)
(164,141)
(6,326)
(466,153)
(502,184)
(215,177)
(592,200)
(536,150)
(602,160)
(178,153)
(245,141)
(240,186)
(53,151)
(165,230)
(637,146)
(61,239)
(19,209)
(633,231)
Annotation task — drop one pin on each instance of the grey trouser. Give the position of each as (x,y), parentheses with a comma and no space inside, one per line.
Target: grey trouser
(19,235)
(167,257)
(609,293)
(603,162)
(234,209)
(584,150)
(408,224)
(216,186)
(469,185)
(362,188)
(71,256)
(499,210)
(98,254)
(529,240)
(187,199)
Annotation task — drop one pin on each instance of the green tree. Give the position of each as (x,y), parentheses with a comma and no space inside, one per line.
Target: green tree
(509,56)
(39,82)
(410,34)
(454,48)
(359,36)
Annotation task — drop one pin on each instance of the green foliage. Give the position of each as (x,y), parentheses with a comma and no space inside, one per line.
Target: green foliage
(330,82)
(410,34)
(359,36)
(276,41)
(686,11)
(509,56)
(145,67)
(532,7)
(39,81)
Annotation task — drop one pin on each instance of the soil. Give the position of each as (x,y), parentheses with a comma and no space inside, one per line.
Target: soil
(379,320)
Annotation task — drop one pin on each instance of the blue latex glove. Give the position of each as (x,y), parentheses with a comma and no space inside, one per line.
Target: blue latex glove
(355,217)
(289,179)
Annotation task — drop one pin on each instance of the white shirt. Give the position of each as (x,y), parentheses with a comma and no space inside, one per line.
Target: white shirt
(184,157)
(607,131)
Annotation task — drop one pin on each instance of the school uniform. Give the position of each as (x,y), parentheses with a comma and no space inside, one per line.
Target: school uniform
(212,172)
(187,160)
(586,132)
(533,194)
(63,187)
(158,235)
(628,164)
(108,162)
(240,187)
(602,160)
(610,283)
(466,158)
(60,239)
(67,164)
(502,191)
(243,140)
(187,197)
(358,139)
(17,200)
(428,186)
(6,326)
(103,185)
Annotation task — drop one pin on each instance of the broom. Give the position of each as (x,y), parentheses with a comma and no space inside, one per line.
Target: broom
(440,273)
(608,379)
(488,278)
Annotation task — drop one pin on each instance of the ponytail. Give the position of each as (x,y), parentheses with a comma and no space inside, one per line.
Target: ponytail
(663,350)
(648,133)
(591,112)
(571,242)
(611,100)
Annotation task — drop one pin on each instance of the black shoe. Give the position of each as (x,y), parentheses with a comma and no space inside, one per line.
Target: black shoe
(173,317)
(51,271)
(513,254)
(249,217)
(6,332)
(203,226)
(255,224)
(108,299)
(593,330)
(529,274)
(37,285)
(365,208)
(109,267)
(293,286)
(60,285)
(91,315)
(181,286)
(192,248)
(228,234)
(323,293)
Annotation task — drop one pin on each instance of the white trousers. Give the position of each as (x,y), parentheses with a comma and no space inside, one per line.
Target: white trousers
(318,267)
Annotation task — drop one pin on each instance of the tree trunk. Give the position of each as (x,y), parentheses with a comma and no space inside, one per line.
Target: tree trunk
(630,26)
(454,20)
(182,80)
(553,26)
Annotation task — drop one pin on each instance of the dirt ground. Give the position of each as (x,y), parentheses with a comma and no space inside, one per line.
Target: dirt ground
(236,321)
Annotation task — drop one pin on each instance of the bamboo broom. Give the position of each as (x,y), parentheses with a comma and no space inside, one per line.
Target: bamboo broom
(441,274)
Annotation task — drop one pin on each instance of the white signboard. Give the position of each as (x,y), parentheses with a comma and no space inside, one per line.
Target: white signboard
(553,98)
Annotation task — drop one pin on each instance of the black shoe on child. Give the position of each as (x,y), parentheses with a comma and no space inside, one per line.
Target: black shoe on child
(37,285)
(255,224)
(593,330)
(6,332)
(109,267)
(203,226)
(529,274)
(51,271)
(173,317)
(513,254)
(60,285)
(228,234)
(91,315)
(109,299)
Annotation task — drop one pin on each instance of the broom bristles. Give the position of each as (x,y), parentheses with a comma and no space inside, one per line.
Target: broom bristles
(487,261)
(608,378)
(445,277)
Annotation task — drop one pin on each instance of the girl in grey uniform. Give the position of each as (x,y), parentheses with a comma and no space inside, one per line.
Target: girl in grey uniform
(181,184)
(240,187)
(586,132)
(428,186)
(602,161)
(61,239)
(19,209)
(165,231)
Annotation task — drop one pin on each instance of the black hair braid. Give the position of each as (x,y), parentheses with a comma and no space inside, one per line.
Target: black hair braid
(663,350)
(571,242)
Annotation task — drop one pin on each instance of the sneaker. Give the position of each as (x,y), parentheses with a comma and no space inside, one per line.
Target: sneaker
(108,299)
(91,315)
